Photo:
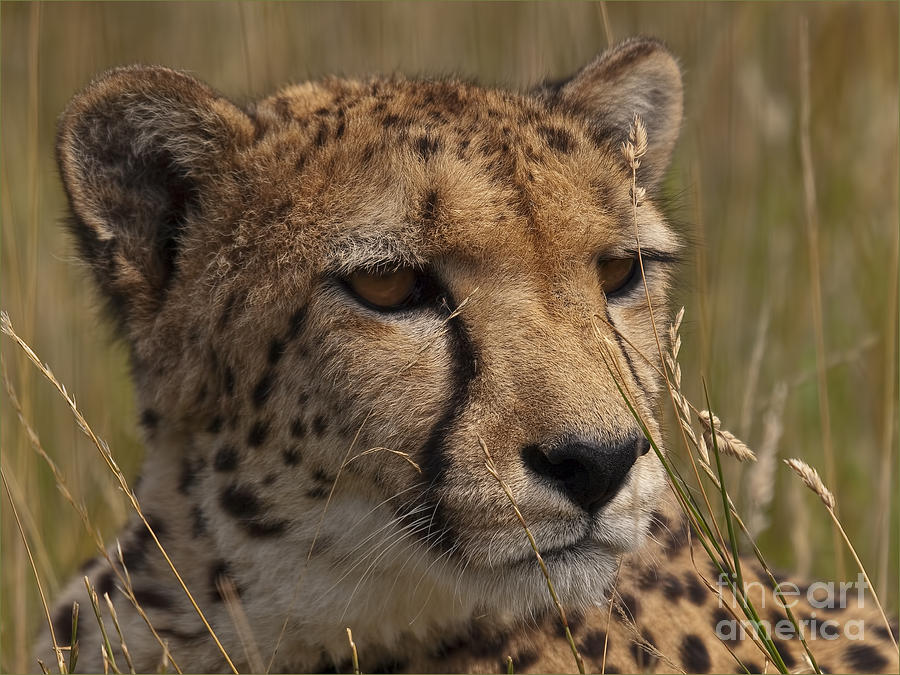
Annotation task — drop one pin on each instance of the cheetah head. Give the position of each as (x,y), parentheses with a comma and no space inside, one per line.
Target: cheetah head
(334,296)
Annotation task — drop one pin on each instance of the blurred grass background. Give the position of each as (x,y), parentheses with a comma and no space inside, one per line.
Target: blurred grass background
(737,187)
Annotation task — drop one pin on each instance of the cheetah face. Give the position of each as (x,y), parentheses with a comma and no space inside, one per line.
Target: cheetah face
(334,298)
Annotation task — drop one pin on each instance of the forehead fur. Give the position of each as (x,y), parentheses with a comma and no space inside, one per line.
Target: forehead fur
(349,174)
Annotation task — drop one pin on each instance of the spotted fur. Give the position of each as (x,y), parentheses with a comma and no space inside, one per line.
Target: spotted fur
(222,237)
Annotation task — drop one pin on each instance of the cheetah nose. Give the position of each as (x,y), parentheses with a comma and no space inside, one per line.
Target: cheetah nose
(588,473)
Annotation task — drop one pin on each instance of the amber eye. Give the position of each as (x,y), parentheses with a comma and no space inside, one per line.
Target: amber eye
(385,290)
(616,274)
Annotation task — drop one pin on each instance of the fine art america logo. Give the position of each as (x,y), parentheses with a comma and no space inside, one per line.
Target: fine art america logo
(821,595)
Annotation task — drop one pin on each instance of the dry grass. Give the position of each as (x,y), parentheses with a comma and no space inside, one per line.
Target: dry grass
(741,173)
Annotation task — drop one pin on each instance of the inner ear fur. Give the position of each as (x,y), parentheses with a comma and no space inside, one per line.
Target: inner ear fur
(638,76)
(134,150)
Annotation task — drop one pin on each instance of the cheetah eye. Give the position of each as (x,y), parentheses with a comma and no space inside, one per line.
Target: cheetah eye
(385,290)
(616,274)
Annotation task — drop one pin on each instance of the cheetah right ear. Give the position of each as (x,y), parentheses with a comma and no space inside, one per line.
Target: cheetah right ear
(638,76)
(135,149)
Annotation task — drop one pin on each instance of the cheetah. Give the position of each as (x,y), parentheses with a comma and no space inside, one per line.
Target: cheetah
(335,299)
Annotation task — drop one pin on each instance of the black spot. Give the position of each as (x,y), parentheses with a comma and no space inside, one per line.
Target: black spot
(226,459)
(694,655)
(882,632)
(523,660)
(149,419)
(696,591)
(643,654)
(239,501)
(611,669)
(199,526)
(321,135)
(321,112)
(318,492)
(786,655)
(263,389)
(593,644)
(864,659)
(190,467)
(341,127)
(658,524)
(648,579)
(558,139)
(106,584)
(62,625)
(725,627)
(215,425)
(753,667)
(486,642)
(320,425)
(672,588)
(295,325)
(575,621)
(265,528)
(426,147)
(244,505)
(429,207)
(258,433)
(389,120)
(298,429)
(221,570)
(152,597)
(631,606)
(276,351)
(291,456)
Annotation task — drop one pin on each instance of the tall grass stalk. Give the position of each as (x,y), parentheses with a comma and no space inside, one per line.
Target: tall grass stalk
(56,648)
(7,328)
(812,242)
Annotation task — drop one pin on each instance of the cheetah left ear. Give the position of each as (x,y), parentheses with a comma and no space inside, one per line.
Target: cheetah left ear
(639,76)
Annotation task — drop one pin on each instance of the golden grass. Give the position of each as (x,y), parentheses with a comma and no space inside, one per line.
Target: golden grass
(736,172)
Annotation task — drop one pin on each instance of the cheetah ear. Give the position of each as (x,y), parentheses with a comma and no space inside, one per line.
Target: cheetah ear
(135,149)
(638,76)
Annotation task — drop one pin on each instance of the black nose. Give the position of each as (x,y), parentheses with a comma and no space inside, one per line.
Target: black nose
(589,474)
